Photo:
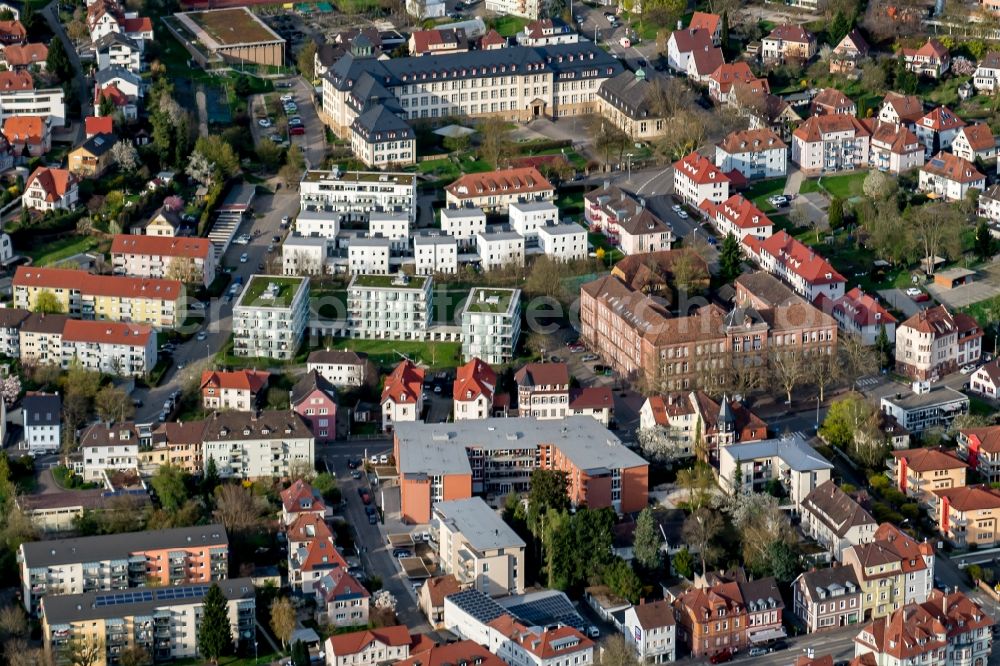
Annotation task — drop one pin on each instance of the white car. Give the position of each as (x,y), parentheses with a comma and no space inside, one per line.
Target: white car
(676,208)
(264,122)
(201,336)
(373,460)
(913,292)
(244,257)
(778,200)
(967,369)
(681,214)
(243,239)
(383,459)
(285,99)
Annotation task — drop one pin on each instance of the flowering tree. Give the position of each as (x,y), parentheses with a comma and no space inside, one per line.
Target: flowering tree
(384,600)
(11,389)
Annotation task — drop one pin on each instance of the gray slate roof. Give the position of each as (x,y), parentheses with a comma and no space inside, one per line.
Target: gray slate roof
(794,451)
(380,124)
(481,526)
(312,381)
(118,546)
(42,410)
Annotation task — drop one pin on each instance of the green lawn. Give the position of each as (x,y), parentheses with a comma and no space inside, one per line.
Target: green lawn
(435,355)
(356,6)
(759,192)
(570,204)
(810,185)
(508,26)
(845,186)
(64,248)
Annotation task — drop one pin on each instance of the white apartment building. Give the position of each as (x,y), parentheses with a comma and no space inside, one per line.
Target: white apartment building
(697,179)
(106,449)
(11,319)
(190,260)
(301,255)
(394,226)
(491,325)
(834,519)
(500,248)
(895,148)
(356,194)
(527,216)
(463,223)
(435,254)
(934,342)
(369,256)
(369,647)
(42,422)
(162,622)
(805,271)
(950,177)
(117,50)
(318,222)
(790,459)
(389,307)
(46,102)
(340,368)
(738,216)
(651,630)
(120,561)
(830,143)
(476,546)
(565,242)
(524,8)
(113,348)
(258,445)
(269,319)
(758,153)
(543,390)
(989,203)
(986,78)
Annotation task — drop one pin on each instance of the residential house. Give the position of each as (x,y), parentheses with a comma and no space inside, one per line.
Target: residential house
(109,448)
(848,54)
(703,63)
(315,400)
(496,190)
(626,221)
(114,348)
(11,319)
(543,390)
(894,147)
(950,177)
(627,102)
(863,315)
(830,101)
(30,57)
(370,647)
(116,49)
(311,551)
(788,42)
(827,599)
(937,129)
(651,630)
(500,249)
(683,43)
(893,570)
(836,520)
(28,135)
(920,472)
(382,139)
(243,444)
(932,59)
(738,216)
(402,395)
(464,224)
(808,274)
(431,596)
(93,157)
(969,516)
(986,78)
(901,109)
(50,189)
(925,408)
(934,342)
(42,423)
(989,203)
(544,32)
(474,390)
(438,41)
(710,23)
(341,600)
(830,143)
(697,179)
(190,260)
(975,142)
(753,153)
(457,652)
(238,390)
(985,380)
(725,78)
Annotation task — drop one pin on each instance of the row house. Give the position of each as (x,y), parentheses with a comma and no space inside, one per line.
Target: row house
(753,153)
(836,520)
(827,599)
(190,260)
(894,147)
(980,448)
(931,60)
(697,179)
(975,142)
(434,253)
(937,129)
(950,177)
(893,570)
(919,472)
(945,630)
(830,143)
(808,273)
(934,342)
(788,42)
(969,517)
(738,216)
(684,418)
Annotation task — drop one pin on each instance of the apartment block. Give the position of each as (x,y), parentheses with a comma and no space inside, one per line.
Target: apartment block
(464,224)
(754,154)
(440,462)
(932,59)
(894,147)
(491,325)
(980,448)
(11,320)
(390,307)
(190,260)
(863,315)
(434,253)
(258,445)
(497,190)
(738,216)
(121,561)
(161,621)
(478,547)
(831,143)
(626,221)
(790,460)
(565,242)
(697,179)
(920,472)
(269,319)
(239,390)
(340,368)
(827,599)
(788,42)
(109,448)
(157,302)
(109,347)
(836,520)
(500,249)
(893,570)
(934,342)
(355,194)
(651,630)
(808,273)
(969,516)
(319,222)
(925,407)
(951,177)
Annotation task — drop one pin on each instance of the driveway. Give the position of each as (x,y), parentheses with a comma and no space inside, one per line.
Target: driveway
(51,14)
(986,285)
(898,299)
(313,142)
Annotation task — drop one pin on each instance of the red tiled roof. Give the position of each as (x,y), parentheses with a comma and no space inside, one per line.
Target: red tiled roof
(321,554)
(503,181)
(98,125)
(939,321)
(459,652)
(898,138)
(166,246)
(988,436)
(404,385)
(440,587)
(941,119)
(492,38)
(100,285)
(853,38)
(23,55)
(738,210)
(971,498)
(791,33)
(139,24)
(699,169)
(862,308)
(707,60)
(930,460)
(55,183)
(909,108)
(13,30)
(19,80)
(292,496)
(239,380)
(338,584)
(111,91)
(425,40)
(538,374)
(691,40)
(798,258)
(593,397)
(107,332)
(705,21)
(24,129)
(746,141)
(356,641)
(727,74)
(979,136)
(932,49)
(308,526)
(832,98)
(814,127)
(473,379)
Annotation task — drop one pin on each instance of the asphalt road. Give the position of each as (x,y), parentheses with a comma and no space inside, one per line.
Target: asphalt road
(189,356)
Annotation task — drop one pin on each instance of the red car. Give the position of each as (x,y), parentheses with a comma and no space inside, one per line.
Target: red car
(297,130)
(722,657)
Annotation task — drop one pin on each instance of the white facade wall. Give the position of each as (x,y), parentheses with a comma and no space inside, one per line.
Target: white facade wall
(463,223)
(369,255)
(435,254)
(527,217)
(260,458)
(566,242)
(100,459)
(770,163)
(497,250)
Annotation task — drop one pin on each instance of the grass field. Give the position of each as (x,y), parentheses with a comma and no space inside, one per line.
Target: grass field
(845,186)
(508,26)
(435,355)
(810,185)
(759,192)
(53,253)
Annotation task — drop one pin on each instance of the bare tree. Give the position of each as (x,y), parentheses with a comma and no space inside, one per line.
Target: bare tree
(700,531)
(788,369)
(283,620)
(494,140)
(615,651)
(13,621)
(184,269)
(238,509)
(82,652)
(17,652)
(937,229)
(856,358)
(825,369)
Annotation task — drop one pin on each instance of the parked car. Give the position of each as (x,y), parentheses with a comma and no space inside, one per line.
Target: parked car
(264,122)
(287,98)
(370,510)
(373,519)
(778,200)
(383,459)
(298,130)
(366,499)
(683,215)
(913,292)
(590,357)
(401,552)
(757,651)
(201,336)
(244,257)
(721,657)
(966,369)
(355,474)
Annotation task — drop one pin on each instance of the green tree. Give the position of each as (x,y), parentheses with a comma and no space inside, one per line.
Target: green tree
(306,60)
(220,154)
(683,563)
(730,258)
(700,531)
(210,480)
(215,636)
(169,484)
(724,30)
(699,482)
(646,541)
(782,561)
(622,580)
(58,62)
(113,404)
(548,490)
(985,243)
(300,654)
(47,303)
(883,348)
(838,28)
(326,484)
(905,81)
(835,214)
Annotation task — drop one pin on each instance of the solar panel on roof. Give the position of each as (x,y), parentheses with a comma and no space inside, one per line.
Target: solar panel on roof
(937,163)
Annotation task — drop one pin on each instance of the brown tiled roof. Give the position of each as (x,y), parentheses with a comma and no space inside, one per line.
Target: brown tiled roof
(836,509)
(39,322)
(929,460)
(440,587)
(536,374)
(989,436)
(12,317)
(654,615)
(831,97)
(941,119)
(751,141)
(814,127)
(707,60)
(791,33)
(909,108)
(526,180)
(971,498)
(166,246)
(690,40)
(593,397)
(107,332)
(979,136)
